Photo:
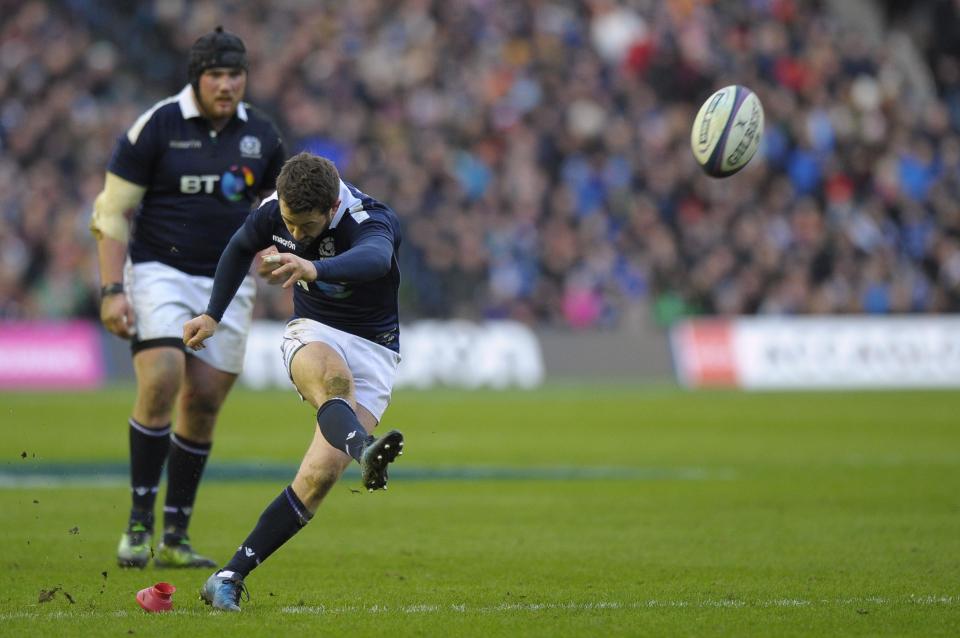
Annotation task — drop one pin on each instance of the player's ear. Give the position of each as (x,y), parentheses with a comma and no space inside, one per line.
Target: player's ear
(336,206)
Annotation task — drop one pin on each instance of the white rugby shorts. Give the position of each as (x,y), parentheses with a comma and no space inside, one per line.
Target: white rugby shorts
(373,366)
(165,298)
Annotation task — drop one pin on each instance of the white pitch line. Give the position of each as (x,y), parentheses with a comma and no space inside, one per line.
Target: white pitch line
(44,481)
(926,600)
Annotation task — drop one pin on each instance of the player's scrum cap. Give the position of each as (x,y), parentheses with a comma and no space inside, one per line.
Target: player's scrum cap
(218,48)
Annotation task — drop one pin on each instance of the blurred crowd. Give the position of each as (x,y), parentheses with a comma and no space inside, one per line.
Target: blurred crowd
(537,152)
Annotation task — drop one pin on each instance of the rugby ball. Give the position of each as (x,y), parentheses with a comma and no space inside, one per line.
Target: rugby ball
(726,132)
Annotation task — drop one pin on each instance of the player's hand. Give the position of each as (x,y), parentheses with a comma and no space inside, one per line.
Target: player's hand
(116,314)
(198,330)
(291,268)
(265,268)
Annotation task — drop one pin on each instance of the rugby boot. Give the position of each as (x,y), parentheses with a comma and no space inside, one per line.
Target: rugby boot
(223,591)
(176,552)
(134,549)
(377,454)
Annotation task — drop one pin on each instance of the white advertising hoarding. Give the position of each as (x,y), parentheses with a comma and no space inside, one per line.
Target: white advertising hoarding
(461,354)
(819,352)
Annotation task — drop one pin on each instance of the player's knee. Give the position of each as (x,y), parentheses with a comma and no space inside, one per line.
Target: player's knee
(156,397)
(338,384)
(200,403)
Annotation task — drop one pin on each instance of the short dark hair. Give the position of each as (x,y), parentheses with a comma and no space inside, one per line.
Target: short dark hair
(307,183)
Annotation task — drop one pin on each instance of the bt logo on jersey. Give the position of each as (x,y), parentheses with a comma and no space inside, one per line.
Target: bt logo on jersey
(193,184)
(233,183)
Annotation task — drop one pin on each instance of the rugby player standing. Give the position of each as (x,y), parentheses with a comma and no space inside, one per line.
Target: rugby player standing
(338,247)
(191,168)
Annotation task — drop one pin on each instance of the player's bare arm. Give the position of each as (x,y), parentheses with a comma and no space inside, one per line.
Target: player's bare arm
(111,226)
(116,312)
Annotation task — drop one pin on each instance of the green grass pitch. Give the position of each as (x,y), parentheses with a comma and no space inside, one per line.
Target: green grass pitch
(568,511)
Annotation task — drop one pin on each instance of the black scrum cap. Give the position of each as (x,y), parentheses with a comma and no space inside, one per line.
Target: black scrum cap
(218,48)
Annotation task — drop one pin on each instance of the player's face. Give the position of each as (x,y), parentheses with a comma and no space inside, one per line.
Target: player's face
(221,89)
(306,227)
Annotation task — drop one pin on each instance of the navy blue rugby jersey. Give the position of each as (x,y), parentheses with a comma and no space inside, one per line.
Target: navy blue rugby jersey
(201,184)
(367,309)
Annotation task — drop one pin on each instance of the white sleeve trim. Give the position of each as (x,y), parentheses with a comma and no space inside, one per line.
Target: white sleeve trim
(273,197)
(133,134)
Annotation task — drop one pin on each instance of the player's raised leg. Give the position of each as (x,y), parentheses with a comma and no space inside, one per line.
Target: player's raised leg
(327,383)
(204,390)
(159,371)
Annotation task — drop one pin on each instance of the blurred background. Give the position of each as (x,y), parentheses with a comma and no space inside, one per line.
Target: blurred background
(538,156)
(568,273)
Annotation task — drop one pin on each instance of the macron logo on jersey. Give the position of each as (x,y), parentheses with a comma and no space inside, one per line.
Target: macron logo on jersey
(286,243)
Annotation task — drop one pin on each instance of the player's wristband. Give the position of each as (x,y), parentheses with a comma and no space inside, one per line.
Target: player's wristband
(111,289)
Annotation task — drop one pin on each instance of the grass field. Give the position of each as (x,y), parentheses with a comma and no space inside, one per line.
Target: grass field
(571,511)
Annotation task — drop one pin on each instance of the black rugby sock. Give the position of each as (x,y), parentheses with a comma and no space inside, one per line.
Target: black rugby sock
(283,518)
(340,427)
(184,470)
(148,451)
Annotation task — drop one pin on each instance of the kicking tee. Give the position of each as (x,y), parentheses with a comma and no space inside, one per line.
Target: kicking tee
(201,183)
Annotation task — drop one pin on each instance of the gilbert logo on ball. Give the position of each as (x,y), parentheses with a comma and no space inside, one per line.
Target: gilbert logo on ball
(726,132)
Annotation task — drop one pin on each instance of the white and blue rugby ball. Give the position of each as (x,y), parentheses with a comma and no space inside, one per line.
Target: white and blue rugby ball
(726,132)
